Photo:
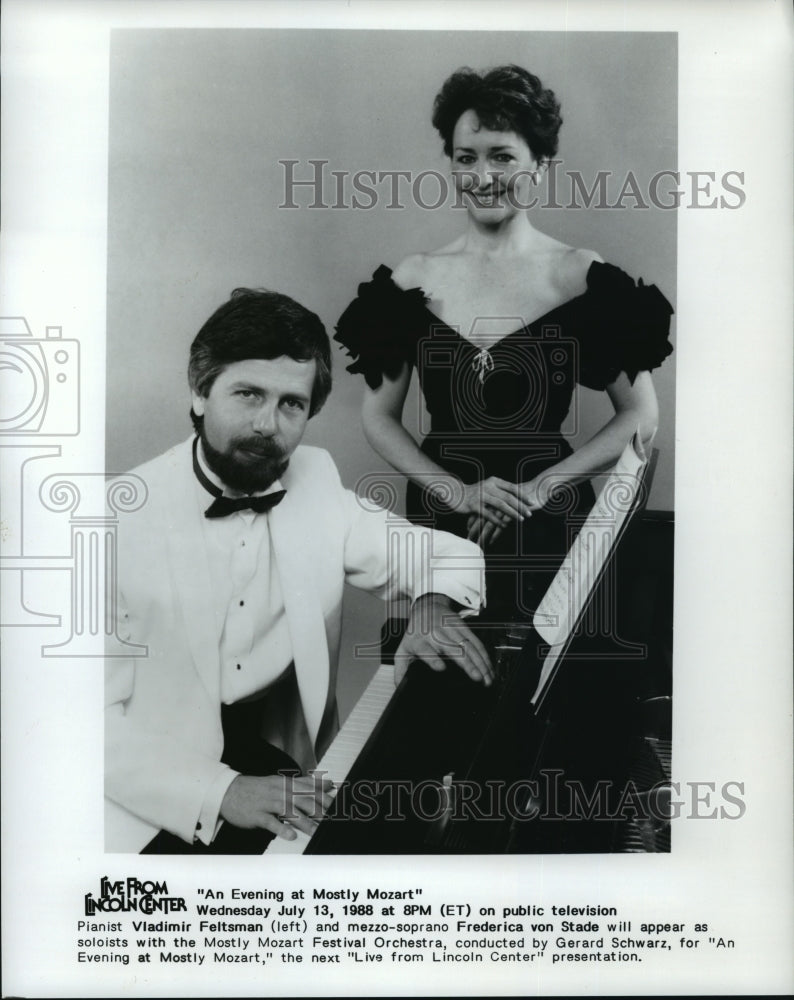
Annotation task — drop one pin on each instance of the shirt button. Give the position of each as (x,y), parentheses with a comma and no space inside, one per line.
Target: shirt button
(242,604)
(198,825)
(239,667)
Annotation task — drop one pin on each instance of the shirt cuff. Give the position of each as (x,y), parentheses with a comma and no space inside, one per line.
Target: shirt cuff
(466,589)
(209,821)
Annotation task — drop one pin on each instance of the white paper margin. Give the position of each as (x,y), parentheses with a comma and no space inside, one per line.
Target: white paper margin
(733,503)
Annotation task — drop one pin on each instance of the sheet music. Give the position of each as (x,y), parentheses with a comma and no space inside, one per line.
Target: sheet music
(565,600)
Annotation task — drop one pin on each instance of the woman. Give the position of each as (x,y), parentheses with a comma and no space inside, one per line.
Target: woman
(501,324)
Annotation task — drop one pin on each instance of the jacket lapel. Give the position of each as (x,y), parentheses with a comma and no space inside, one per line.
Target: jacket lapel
(294,559)
(191,571)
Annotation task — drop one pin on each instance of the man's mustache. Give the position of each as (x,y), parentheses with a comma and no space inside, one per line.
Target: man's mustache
(260,446)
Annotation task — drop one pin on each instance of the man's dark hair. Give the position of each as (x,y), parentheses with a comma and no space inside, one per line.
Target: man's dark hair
(505,99)
(256,323)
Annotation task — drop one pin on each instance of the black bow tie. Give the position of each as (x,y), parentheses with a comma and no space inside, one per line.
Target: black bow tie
(222,506)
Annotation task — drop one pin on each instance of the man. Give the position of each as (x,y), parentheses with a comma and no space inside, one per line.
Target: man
(231,575)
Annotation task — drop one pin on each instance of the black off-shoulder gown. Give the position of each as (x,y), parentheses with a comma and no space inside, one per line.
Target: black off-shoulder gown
(500,412)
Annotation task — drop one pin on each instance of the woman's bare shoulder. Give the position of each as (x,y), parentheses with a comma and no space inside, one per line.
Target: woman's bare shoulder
(409,271)
(417,269)
(585,257)
(571,268)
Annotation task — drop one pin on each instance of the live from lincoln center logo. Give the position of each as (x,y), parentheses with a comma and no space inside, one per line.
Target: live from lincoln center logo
(132,895)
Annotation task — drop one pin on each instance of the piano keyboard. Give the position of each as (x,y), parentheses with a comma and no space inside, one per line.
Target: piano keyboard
(346,746)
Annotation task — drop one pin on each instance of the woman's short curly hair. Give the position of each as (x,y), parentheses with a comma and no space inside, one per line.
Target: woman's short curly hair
(504,99)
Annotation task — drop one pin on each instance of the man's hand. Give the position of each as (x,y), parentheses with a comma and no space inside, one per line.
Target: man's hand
(277,803)
(436,634)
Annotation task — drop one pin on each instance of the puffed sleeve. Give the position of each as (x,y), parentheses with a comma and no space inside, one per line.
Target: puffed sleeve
(625,327)
(381,326)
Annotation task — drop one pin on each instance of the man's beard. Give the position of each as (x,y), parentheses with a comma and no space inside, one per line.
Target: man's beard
(267,463)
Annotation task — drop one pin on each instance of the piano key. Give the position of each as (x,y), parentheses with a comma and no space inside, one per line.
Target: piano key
(346,746)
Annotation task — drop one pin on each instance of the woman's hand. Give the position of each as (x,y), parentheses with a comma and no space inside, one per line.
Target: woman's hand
(484,532)
(534,495)
(494,500)
(536,492)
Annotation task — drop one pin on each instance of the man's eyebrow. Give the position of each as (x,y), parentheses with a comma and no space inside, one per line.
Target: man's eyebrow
(243,384)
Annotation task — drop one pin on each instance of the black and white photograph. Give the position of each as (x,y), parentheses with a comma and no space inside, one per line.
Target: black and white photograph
(527,317)
(396,519)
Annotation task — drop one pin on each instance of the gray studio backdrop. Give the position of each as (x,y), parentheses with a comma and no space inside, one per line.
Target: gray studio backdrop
(199,120)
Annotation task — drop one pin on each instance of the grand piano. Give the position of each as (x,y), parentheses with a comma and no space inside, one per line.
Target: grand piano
(444,765)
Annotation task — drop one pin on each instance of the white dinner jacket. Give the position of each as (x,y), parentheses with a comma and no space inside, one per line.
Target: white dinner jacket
(163,739)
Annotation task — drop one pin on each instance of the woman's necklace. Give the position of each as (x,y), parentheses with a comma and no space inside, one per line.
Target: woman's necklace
(482,363)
